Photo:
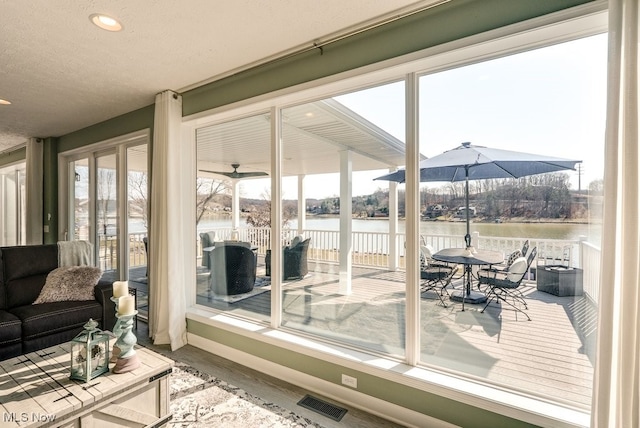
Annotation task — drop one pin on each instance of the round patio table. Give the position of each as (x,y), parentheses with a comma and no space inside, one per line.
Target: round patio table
(469,257)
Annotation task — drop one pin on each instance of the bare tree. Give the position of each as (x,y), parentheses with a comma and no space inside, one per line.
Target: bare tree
(106,189)
(138,184)
(207,189)
(260,216)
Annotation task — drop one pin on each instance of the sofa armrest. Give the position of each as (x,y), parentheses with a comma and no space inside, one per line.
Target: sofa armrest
(103,293)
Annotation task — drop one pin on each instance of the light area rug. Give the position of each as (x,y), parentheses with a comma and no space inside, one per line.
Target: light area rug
(201,400)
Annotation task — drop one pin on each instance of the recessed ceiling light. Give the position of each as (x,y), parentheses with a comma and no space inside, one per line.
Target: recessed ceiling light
(105,22)
(5,102)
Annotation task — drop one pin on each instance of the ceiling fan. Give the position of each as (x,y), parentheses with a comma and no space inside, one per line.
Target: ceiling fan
(236,174)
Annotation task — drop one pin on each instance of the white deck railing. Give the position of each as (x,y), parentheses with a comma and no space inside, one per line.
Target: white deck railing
(590,263)
(372,249)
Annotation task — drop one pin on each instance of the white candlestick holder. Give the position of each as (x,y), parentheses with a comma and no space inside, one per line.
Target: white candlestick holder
(117,331)
(127,359)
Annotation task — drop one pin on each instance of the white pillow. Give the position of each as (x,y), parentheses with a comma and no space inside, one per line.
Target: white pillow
(426,250)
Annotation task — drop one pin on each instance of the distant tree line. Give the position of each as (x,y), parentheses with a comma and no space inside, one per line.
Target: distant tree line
(536,196)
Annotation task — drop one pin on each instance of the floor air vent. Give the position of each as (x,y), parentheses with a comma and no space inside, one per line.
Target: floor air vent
(326,409)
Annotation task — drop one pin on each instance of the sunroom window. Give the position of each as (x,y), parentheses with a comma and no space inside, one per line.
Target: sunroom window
(345,274)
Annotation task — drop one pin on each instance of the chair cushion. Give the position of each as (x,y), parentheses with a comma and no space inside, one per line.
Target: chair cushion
(425,256)
(517,269)
(513,256)
(208,238)
(296,240)
(50,318)
(70,283)
(435,273)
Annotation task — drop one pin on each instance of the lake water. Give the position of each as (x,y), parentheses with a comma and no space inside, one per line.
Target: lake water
(563,231)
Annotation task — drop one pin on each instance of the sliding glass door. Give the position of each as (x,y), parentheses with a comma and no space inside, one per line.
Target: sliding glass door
(107,205)
(79,200)
(107,220)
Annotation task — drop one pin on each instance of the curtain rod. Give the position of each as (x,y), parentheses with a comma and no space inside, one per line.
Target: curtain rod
(318,43)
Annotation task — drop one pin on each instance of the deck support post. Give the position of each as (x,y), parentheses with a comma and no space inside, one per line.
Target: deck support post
(302,205)
(346,241)
(393,226)
(235,204)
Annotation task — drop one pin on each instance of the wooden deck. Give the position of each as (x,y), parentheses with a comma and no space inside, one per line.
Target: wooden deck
(549,356)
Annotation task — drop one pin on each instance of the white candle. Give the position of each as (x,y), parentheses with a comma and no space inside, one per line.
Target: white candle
(126,305)
(120,288)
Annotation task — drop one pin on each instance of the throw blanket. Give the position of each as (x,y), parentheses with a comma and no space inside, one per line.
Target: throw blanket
(75,253)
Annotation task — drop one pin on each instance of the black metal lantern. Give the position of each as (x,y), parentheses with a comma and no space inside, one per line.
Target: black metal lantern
(89,353)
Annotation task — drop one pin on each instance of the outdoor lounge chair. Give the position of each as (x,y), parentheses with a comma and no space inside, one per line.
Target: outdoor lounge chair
(504,284)
(233,269)
(435,275)
(207,240)
(294,259)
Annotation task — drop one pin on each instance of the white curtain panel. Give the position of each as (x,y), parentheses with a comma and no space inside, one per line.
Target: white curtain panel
(34,183)
(617,378)
(167,269)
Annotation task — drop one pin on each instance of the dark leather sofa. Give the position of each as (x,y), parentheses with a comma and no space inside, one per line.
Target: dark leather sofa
(25,327)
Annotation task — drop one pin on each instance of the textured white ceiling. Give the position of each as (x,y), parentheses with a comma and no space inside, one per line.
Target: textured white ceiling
(62,73)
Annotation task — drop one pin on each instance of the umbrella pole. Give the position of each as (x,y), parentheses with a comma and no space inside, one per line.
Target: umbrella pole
(467,237)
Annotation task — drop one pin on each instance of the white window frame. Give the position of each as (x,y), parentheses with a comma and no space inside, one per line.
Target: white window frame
(115,146)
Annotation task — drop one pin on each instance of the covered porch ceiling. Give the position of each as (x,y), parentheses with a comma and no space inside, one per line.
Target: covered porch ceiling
(313,134)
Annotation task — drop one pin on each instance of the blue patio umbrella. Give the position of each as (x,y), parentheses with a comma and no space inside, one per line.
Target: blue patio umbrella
(469,162)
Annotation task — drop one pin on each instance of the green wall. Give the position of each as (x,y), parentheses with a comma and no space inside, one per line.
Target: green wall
(405,396)
(441,24)
(118,126)
(16,155)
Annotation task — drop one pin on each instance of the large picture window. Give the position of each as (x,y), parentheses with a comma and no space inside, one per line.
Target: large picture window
(233,216)
(548,102)
(346,265)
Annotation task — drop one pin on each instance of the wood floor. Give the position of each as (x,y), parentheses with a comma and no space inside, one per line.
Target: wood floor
(258,384)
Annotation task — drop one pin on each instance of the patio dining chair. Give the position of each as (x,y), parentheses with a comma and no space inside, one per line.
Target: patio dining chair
(435,275)
(505,284)
(505,265)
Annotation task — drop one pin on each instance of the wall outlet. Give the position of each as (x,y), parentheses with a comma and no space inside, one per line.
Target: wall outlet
(46,228)
(349,381)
